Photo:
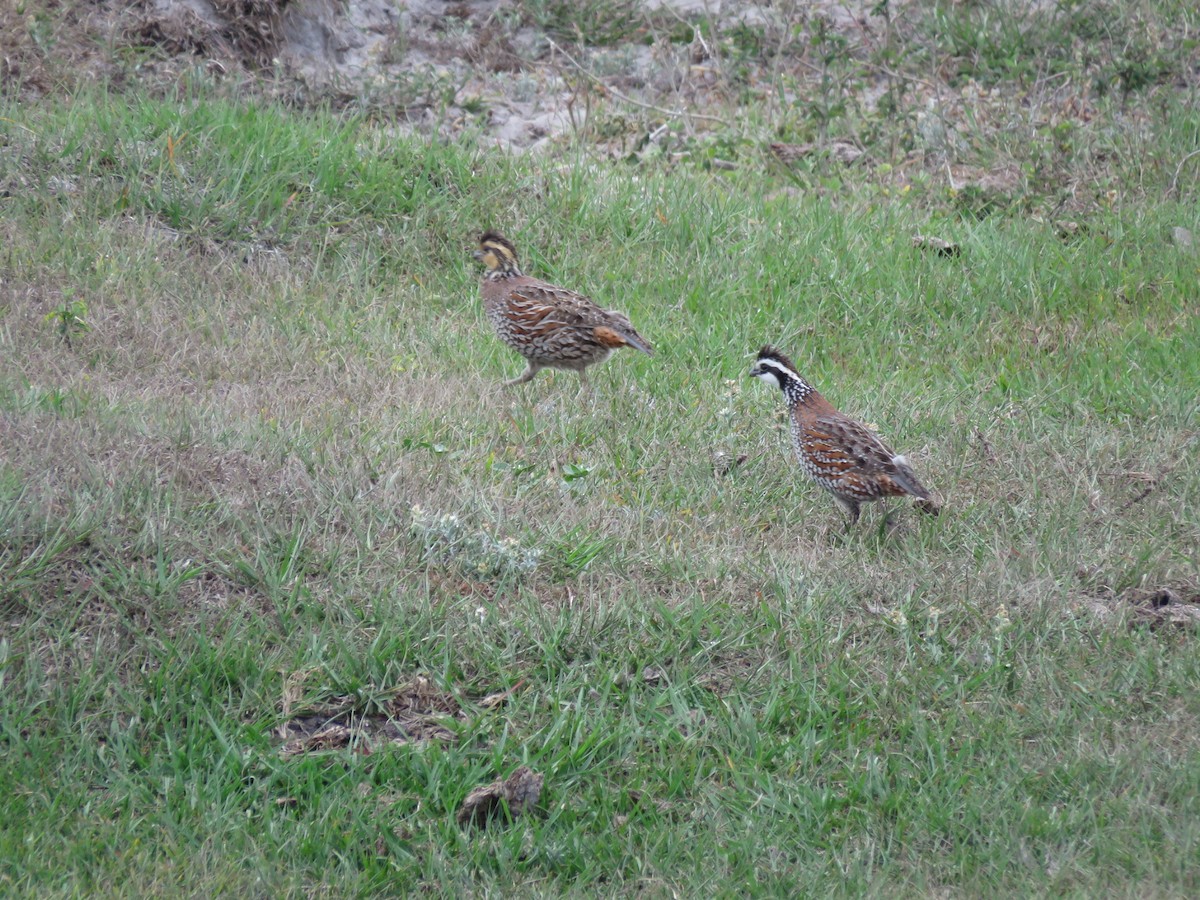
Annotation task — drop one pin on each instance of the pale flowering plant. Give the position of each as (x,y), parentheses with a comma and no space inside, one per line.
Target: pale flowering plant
(446,540)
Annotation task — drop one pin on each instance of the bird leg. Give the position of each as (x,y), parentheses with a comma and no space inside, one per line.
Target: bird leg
(889,524)
(849,507)
(531,370)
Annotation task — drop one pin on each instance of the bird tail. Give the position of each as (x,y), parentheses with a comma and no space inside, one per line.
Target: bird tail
(613,336)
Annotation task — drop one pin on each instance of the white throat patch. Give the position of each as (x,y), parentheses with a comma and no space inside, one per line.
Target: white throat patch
(769,377)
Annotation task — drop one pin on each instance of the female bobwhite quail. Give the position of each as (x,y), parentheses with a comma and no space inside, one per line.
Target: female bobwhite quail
(840,454)
(550,326)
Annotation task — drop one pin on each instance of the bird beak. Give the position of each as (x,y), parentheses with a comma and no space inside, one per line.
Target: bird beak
(477,254)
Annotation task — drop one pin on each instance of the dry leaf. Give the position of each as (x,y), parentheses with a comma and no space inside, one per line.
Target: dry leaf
(931,507)
(839,151)
(332,738)
(844,152)
(492,701)
(790,153)
(520,792)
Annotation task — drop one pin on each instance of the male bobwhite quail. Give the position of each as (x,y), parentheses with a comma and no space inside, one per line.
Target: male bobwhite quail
(550,326)
(840,454)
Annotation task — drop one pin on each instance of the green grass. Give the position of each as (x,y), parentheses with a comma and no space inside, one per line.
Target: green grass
(211,488)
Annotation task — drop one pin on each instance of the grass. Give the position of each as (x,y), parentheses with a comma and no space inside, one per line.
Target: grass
(255,462)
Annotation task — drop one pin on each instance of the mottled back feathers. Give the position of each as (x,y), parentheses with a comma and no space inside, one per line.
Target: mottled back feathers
(550,326)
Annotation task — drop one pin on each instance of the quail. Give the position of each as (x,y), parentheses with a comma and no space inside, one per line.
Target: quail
(550,326)
(841,455)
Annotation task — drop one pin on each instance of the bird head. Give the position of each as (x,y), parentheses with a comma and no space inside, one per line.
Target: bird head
(774,368)
(497,253)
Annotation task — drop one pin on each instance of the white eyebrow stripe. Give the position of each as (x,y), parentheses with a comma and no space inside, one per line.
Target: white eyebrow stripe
(776,364)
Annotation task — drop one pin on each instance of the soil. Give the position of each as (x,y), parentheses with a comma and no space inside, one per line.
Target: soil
(810,86)
(435,65)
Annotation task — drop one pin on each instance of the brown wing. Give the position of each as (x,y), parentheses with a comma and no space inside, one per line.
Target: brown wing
(551,307)
(848,453)
(540,309)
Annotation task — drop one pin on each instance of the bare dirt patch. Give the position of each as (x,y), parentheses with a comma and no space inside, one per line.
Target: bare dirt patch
(414,712)
(52,44)
(1155,606)
(990,108)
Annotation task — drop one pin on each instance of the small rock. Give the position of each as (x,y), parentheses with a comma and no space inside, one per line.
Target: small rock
(936,245)
(58,185)
(1066,229)
(844,152)
(652,675)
